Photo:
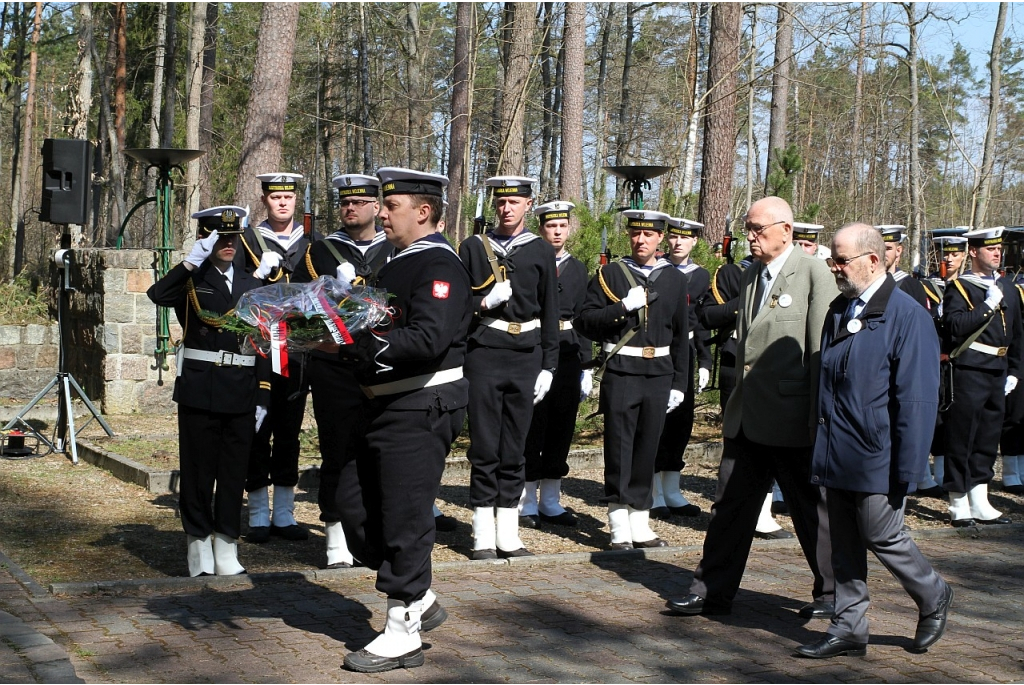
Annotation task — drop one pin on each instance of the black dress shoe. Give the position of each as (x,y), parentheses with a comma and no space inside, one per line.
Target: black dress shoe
(661,513)
(621,545)
(963,523)
(258,535)
(692,605)
(1014,489)
(521,552)
(819,608)
(432,617)
(566,519)
(780,534)
(365,662)
(528,521)
(292,532)
(830,646)
(648,544)
(482,554)
(780,507)
(935,491)
(687,511)
(445,524)
(1002,520)
(931,627)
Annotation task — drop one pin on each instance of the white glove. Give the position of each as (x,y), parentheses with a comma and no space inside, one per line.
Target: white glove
(994,296)
(586,384)
(703,378)
(268,262)
(675,398)
(500,294)
(261,413)
(1011,383)
(635,298)
(346,272)
(201,250)
(543,384)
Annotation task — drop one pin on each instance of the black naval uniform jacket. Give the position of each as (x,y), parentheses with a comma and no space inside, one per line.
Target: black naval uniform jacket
(529,263)
(698,284)
(433,310)
(250,251)
(604,319)
(964,311)
(367,260)
(719,308)
(205,385)
(572,289)
(911,286)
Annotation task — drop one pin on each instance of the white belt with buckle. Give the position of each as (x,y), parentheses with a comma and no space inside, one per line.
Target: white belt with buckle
(988,349)
(415,383)
(511,327)
(565,325)
(220,358)
(644,352)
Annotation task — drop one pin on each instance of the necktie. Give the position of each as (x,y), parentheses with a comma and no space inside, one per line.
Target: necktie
(227,279)
(851,310)
(762,285)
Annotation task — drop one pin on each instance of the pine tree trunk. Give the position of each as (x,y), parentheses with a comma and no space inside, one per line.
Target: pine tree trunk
(988,156)
(171,81)
(194,88)
(574,37)
(697,100)
(206,198)
(916,208)
(364,89)
(27,158)
(517,79)
(150,219)
(601,132)
(458,148)
(780,87)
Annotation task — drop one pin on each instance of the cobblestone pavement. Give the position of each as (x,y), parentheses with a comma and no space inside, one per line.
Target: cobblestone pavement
(595,618)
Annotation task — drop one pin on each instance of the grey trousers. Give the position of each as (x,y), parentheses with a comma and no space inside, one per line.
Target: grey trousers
(859,522)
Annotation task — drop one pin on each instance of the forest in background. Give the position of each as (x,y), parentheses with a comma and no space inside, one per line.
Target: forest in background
(837,107)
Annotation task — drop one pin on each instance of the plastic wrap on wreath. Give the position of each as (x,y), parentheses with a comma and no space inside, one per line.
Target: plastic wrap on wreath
(301,316)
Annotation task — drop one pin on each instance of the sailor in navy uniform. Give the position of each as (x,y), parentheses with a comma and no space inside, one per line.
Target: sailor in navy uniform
(805,236)
(683,234)
(354,254)
(893,236)
(222,395)
(271,251)
(554,417)
(1011,442)
(412,374)
(511,361)
(985,371)
(636,308)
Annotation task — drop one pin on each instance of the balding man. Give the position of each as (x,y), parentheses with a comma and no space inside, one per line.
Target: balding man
(877,399)
(771,418)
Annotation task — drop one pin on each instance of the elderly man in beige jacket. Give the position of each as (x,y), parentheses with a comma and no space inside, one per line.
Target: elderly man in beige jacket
(770,420)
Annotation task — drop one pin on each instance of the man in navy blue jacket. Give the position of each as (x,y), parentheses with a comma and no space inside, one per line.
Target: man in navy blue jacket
(877,399)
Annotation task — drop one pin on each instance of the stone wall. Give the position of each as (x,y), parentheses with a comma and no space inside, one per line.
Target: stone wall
(28,359)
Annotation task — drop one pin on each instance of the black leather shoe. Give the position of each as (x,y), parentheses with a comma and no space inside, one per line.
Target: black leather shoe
(819,608)
(661,513)
(830,646)
(1014,489)
(688,511)
(433,617)
(566,519)
(365,662)
(931,627)
(445,524)
(1002,520)
(656,542)
(780,534)
(521,552)
(292,532)
(621,545)
(528,521)
(482,554)
(963,523)
(935,491)
(258,535)
(692,605)
(780,507)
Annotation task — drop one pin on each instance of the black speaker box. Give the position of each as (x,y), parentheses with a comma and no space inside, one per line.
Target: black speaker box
(67,181)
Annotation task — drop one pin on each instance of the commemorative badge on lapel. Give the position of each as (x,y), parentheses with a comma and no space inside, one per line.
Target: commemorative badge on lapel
(785,299)
(854,325)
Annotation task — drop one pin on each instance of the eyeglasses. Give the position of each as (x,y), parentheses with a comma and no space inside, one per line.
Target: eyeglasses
(758,230)
(841,262)
(354,203)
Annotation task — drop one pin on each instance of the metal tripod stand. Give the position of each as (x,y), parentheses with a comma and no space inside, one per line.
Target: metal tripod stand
(65,433)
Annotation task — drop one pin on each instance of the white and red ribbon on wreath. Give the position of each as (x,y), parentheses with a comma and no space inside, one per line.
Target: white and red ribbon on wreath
(279,348)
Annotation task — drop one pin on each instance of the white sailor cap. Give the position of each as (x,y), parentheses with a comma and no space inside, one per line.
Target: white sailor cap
(511,186)
(892,233)
(279,182)
(356,185)
(646,219)
(950,243)
(805,231)
(684,227)
(401,181)
(556,209)
(981,237)
(226,220)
